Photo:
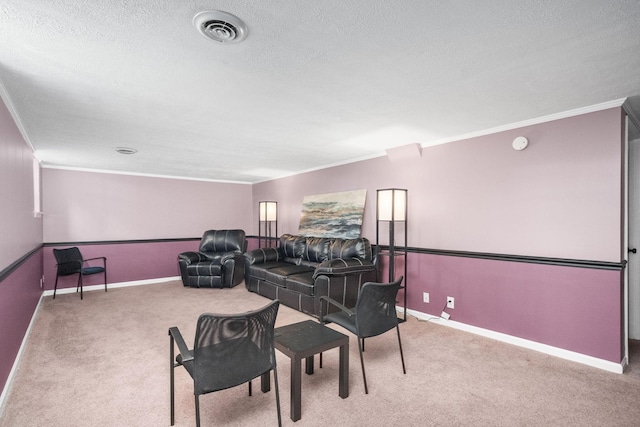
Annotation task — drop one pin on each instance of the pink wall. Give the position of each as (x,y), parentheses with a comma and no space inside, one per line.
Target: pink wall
(559,198)
(90,206)
(20,231)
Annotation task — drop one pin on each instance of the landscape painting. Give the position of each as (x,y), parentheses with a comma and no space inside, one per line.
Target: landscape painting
(333,214)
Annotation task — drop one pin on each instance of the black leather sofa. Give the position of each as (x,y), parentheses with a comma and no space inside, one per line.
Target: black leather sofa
(303,269)
(219,263)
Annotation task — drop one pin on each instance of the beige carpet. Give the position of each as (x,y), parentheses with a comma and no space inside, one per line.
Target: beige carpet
(103,361)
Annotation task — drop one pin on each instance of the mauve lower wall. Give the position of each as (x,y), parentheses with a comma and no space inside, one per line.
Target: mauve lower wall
(572,308)
(19,296)
(126,262)
(559,198)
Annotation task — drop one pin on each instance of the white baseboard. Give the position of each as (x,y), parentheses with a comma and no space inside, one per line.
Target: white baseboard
(112,285)
(573,356)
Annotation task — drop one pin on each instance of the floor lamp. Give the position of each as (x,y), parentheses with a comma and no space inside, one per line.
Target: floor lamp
(268,215)
(391,208)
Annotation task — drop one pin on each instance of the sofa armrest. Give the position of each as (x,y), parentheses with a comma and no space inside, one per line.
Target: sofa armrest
(343,267)
(191,257)
(262,255)
(234,255)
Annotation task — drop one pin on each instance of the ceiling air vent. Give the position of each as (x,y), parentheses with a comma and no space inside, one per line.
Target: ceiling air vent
(126,150)
(220,26)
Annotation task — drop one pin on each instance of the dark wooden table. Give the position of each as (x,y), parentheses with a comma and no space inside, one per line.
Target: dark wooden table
(302,341)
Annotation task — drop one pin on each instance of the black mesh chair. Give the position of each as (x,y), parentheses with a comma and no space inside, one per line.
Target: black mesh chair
(229,350)
(69,261)
(373,314)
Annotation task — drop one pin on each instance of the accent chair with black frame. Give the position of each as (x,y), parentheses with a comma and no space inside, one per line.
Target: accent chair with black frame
(373,314)
(229,350)
(69,261)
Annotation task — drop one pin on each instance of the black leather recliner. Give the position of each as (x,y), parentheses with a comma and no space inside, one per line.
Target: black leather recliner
(219,263)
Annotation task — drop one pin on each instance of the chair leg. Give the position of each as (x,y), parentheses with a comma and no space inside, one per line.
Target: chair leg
(275,380)
(364,376)
(171,381)
(197,411)
(404,371)
(249,387)
(105,278)
(80,283)
(55,287)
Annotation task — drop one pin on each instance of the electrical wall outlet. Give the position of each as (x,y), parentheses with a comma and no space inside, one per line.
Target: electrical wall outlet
(425,297)
(450,301)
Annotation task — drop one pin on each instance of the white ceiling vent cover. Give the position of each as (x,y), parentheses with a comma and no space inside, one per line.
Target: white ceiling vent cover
(220,26)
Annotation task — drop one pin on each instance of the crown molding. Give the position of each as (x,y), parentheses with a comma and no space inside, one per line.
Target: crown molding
(15,116)
(530,122)
(147,175)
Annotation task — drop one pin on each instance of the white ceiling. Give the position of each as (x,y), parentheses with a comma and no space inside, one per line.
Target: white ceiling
(315,83)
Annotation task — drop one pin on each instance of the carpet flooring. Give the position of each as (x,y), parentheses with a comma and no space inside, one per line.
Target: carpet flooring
(103,361)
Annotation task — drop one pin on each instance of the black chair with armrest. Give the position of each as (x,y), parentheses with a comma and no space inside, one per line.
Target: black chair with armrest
(69,261)
(373,314)
(219,262)
(229,350)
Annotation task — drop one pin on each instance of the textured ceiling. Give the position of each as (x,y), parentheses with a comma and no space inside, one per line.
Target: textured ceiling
(316,83)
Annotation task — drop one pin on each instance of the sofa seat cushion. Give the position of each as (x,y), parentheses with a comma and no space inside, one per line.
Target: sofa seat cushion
(205,268)
(302,282)
(260,270)
(278,275)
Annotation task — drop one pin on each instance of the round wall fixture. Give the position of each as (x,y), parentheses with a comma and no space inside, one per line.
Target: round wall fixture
(220,26)
(520,143)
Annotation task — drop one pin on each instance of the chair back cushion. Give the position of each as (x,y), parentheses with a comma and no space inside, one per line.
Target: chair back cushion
(232,349)
(69,260)
(376,308)
(223,241)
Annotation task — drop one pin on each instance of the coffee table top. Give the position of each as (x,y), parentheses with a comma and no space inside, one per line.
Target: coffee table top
(307,338)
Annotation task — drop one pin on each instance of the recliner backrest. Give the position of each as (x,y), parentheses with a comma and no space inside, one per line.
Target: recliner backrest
(223,241)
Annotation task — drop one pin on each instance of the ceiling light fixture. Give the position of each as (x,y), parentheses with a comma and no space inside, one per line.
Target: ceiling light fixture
(220,26)
(126,150)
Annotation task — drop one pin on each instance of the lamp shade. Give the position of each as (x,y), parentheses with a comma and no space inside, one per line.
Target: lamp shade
(268,211)
(392,204)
